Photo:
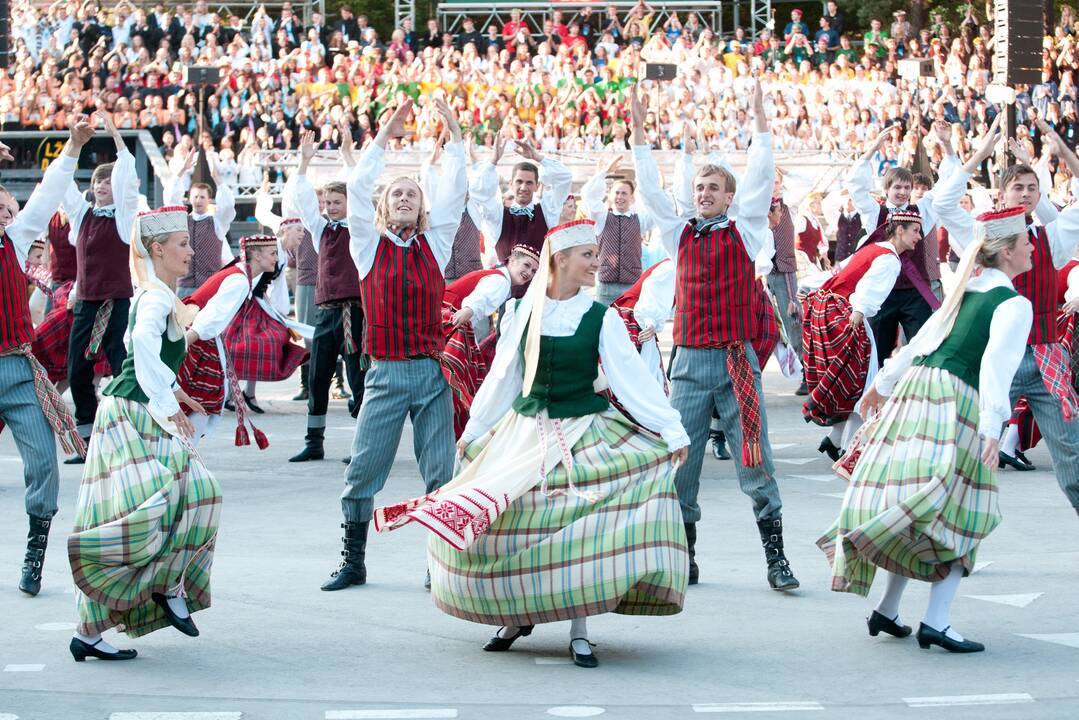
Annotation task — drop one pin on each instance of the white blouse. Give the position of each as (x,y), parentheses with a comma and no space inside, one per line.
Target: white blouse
(1003,353)
(653,308)
(152,311)
(622,365)
(490,293)
(877,283)
(214,319)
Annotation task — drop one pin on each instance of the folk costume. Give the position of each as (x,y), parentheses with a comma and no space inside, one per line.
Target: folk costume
(101,236)
(920,498)
(467,254)
(402,286)
(29,404)
(209,236)
(1041,377)
(148,509)
(714,364)
(646,305)
(553,471)
(783,279)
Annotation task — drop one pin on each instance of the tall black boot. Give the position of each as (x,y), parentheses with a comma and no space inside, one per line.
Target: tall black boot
(312,449)
(352,570)
(780,576)
(305,391)
(36,542)
(691,542)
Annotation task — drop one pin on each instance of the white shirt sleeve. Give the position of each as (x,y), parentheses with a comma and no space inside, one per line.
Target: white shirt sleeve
(302,197)
(448,204)
(1011,320)
(755,194)
(557,181)
(957,221)
(75,207)
(490,293)
(657,297)
(214,319)
(495,397)
(859,183)
(363,237)
(154,376)
(762,264)
(277,293)
(264,213)
(875,286)
(1063,234)
(669,223)
(224,214)
(33,220)
(626,372)
(1073,285)
(174,190)
(683,185)
(486,197)
(125,193)
(593,199)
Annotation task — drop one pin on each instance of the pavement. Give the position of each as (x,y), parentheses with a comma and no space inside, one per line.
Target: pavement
(274,646)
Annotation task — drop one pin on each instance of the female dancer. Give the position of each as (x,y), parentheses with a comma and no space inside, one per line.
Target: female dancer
(148,509)
(562,508)
(923,492)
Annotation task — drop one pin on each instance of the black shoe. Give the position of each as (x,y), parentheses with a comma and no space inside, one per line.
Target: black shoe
(339,393)
(928,636)
(185,625)
(36,542)
(780,576)
(802,390)
(427,582)
(352,570)
(501,644)
(828,448)
(347,460)
(254,406)
(229,406)
(586,661)
(691,546)
(75,460)
(719,446)
(313,449)
(81,650)
(1023,458)
(304,394)
(1013,462)
(878,623)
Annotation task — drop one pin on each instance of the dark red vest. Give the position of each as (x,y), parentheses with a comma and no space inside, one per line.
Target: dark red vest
(809,241)
(1039,286)
(206,246)
(620,249)
(16,326)
(846,280)
(519,230)
(402,302)
(63,262)
(848,230)
(465,256)
(714,290)
(783,234)
(338,280)
(629,298)
(208,289)
(103,260)
(460,289)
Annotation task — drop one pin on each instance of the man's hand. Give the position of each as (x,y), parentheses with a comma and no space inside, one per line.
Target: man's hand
(756,107)
(449,118)
(110,128)
(80,133)
(526,150)
(609,166)
(989,143)
(347,143)
(636,116)
(307,150)
(871,403)
(943,130)
(1019,151)
(395,126)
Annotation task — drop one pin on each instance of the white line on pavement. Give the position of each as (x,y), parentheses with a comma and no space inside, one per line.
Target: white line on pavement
(993,699)
(1020,601)
(404,714)
(553,661)
(6,716)
(153,715)
(1066,639)
(795,461)
(756,707)
(55,626)
(23,668)
(575,711)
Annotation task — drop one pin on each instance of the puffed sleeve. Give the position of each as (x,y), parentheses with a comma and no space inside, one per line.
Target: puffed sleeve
(125,190)
(957,221)
(363,237)
(557,182)
(1011,319)
(154,376)
(877,283)
(215,318)
(496,395)
(657,297)
(755,194)
(448,203)
(489,294)
(662,210)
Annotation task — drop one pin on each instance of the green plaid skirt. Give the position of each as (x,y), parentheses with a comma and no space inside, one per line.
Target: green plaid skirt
(920,498)
(559,556)
(146,522)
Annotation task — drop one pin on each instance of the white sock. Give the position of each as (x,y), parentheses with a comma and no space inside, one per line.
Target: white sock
(893,593)
(941,594)
(250,389)
(507,632)
(1011,440)
(836,434)
(578,635)
(178,607)
(97,642)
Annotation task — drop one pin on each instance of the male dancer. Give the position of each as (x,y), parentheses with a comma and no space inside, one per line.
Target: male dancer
(400,251)
(29,403)
(208,230)
(101,234)
(714,365)
(467,255)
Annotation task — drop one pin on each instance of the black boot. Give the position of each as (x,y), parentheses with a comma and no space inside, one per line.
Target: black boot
(312,449)
(719,445)
(304,391)
(691,542)
(780,576)
(78,459)
(828,448)
(339,392)
(36,542)
(352,570)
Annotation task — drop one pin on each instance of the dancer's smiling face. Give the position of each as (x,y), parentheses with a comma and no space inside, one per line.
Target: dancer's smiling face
(578,265)
(171,255)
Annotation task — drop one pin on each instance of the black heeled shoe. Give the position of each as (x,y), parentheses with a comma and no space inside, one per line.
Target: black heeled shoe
(828,448)
(501,644)
(878,623)
(1023,458)
(586,661)
(1013,462)
(185,625)
(929,636)
(81,650)
(252,405)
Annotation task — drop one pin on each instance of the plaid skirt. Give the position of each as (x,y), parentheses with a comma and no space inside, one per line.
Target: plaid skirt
(202,376)
(145,522)
(558,556)
(836,359)
(920,497)
(767,336)
(52,337)
(260,347)
(464,367)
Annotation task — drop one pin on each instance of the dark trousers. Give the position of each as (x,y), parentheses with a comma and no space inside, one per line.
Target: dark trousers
(80,371)
(903,307)
(326,346)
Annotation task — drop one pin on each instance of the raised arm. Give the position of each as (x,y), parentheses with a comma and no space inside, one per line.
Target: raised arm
(649,186)
(174,190)
(859,182)
(557,181)
(755,194)
(125,182)
(300,193)
(486,195)
(264,213)
(1063,233)
(448,202)
(594,192)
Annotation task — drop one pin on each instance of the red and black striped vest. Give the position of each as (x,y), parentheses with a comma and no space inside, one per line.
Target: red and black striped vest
(63,263)
(402,301)
(208,289)
(714,291)
(846,280)
(465,256)
(783,234)
(16,327)
(519,230)
(338,280)
(461,288)
(1039,286)
(206,246)
(620,249)
(103,269)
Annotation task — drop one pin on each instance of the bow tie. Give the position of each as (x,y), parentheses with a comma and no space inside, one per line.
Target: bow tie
(893,208)
(108,212)
(518,210)
(335,224)
(707,224)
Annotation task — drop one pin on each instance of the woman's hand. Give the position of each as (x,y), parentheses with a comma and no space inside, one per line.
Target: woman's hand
(680,455)
(856,318)
(462,317)
(646,334)
(990,452)
(183,425)
(871,403)
(184,399)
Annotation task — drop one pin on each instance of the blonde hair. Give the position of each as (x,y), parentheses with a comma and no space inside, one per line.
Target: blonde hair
(148,240)
(730,183)
(989,253)
(382,210)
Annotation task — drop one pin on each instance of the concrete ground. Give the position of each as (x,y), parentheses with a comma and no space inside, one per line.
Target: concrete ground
(273,646)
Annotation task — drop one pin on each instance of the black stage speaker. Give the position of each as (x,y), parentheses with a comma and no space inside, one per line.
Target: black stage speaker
(1017,55)
(5,34)
(199,74)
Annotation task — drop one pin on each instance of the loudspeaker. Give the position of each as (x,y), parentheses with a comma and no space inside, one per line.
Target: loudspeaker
(1017,55)
(5,34)
(200,74)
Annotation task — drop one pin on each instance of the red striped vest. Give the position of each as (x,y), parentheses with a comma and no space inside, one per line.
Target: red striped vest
(402,302)
(809,241)
(465,256)
(206,246)
(16,327)
(620,249)
(459,289)
(338,280)
(103,269)
(846,280)
(519,230)
(1039,286)
(714,291)
(208,289)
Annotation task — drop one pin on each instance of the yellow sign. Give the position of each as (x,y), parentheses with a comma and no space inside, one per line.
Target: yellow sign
(49,150)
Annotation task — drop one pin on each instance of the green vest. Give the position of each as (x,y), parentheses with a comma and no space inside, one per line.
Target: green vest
(125,384)
(567,368)
(961,352)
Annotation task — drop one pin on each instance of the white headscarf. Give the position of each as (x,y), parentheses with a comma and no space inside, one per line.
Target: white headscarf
(154,223)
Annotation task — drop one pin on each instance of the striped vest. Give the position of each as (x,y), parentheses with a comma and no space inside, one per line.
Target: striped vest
(848,230)
(16,327)
(306,261)
(1039,286)
(714,288)
(783,233)
(206,246)
(402,302)
(460,289)
(103,269)
(519,230)
(620,249)
(338,281)
(846,280)
(465,256)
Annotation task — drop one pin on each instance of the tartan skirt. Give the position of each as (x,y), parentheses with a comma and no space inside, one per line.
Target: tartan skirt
(836,359)
(767,335)
(559,556)
(145,522)
(920,498)
(464,367)
(52,337)
(202,376)
(260,347)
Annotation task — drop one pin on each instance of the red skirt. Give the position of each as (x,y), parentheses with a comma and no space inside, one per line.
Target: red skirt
(463,365)
(764,344)
(260,347)
(52,337)
(202,377)
(836,361)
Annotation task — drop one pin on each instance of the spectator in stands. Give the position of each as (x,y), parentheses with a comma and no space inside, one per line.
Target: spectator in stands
(795,25)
